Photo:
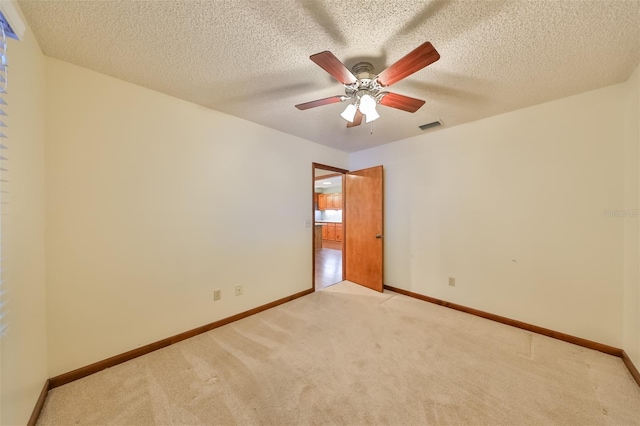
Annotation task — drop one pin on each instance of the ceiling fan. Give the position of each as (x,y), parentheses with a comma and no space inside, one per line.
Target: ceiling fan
(364,88)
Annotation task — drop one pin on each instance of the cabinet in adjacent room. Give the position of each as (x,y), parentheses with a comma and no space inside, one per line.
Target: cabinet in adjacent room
(338,232)
(330,201)
(334,201)
(331,231)
(322,201)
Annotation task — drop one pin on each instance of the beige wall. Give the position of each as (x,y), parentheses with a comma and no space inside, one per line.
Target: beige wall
(631,320)
(152,203)
(513,207)
(24,348)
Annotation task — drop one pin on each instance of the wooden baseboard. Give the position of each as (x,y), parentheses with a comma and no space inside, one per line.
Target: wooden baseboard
(632,368)
(79,373)
(514,323)
(39,404)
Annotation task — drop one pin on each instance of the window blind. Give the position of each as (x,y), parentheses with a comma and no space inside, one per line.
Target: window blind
(5,31)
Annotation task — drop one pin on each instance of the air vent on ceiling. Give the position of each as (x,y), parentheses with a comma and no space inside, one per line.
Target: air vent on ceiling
(431,125)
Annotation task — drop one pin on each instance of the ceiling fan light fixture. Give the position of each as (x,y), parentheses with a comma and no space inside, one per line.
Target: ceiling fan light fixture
(368,108)
(371,116)
(363,88)
(349,113)
(367,104)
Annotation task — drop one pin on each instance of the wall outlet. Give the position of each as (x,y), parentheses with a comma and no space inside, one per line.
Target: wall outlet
(217,295)
(452,281)
(239,290)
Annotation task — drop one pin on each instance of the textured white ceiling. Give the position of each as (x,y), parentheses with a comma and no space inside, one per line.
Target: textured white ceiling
(250,58)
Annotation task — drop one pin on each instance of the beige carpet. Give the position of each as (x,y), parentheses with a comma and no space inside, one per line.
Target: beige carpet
(350,356)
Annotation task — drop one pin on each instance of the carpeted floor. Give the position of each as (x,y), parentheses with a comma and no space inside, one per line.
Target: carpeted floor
(350,356)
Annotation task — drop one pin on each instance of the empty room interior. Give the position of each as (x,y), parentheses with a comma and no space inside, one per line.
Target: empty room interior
(319,212)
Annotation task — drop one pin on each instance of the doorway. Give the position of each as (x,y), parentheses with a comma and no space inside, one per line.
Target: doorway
(347,221)
(328,240)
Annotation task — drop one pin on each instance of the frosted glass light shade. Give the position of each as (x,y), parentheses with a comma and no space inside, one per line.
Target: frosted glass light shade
(349,113)
(372,116)
(367,104)
(368,108)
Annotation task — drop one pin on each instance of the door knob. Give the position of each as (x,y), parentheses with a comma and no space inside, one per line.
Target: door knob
(378,236)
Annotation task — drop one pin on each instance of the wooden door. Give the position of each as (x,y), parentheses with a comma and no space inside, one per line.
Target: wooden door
(339,232)
(363,220)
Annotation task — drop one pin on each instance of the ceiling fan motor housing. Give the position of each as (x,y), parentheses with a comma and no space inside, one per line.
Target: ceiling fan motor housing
(363,70)
(366,84)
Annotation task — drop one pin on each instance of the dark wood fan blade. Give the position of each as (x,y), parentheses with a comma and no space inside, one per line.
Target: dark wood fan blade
(357,120)
(402,102)
(328,62)
(320,102)
(417,59)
